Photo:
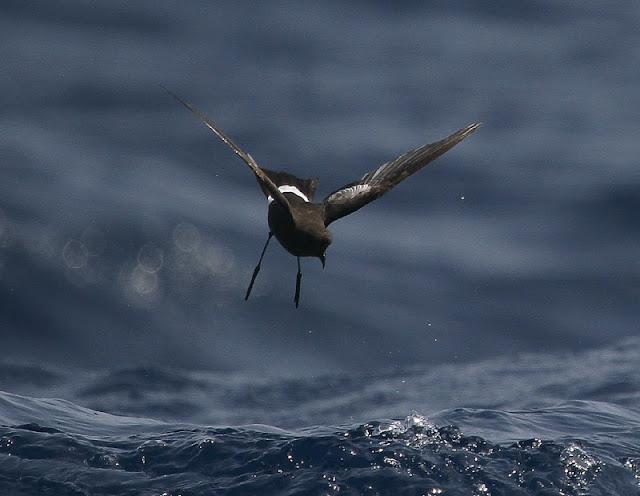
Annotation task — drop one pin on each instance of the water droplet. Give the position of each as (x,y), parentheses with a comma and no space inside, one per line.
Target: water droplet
(482,488)
(206,443)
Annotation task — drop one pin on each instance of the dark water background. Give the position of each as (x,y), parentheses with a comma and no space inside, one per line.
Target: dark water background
(497,291)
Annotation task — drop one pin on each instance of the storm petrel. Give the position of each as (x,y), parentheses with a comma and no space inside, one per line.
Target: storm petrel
(300,224)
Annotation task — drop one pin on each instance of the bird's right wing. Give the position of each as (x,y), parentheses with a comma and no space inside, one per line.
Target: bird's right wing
(374,184)
(264,181)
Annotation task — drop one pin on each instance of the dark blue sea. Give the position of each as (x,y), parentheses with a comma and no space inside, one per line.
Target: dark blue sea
(475,331)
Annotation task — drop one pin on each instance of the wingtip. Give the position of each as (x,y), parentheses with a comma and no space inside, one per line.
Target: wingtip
(472,127)
(462,133)
(166,89)
(183,102)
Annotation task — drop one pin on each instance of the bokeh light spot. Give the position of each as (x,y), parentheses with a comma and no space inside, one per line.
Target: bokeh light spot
(186,237)
(150,258)
(142,281)
(75,254)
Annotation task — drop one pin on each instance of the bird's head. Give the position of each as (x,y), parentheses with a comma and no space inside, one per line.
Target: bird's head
(323,244)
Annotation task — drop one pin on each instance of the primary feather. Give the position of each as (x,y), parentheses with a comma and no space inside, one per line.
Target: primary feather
(374,184)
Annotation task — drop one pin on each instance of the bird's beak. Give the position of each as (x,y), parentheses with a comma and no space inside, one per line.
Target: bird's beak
(323,259)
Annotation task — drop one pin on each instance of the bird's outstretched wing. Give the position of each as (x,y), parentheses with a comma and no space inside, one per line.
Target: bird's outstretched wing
(264,181)
(374,184)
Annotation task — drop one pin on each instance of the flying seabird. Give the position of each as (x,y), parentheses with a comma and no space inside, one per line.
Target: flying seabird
(299,224)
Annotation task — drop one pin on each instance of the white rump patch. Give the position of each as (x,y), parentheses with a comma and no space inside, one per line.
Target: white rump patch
(285,188)
(349,192)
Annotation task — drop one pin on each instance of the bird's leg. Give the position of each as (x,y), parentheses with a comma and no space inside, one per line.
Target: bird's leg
(298,280)
(257,269)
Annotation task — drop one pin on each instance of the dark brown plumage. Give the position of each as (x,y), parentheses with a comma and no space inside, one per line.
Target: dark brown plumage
(299,224)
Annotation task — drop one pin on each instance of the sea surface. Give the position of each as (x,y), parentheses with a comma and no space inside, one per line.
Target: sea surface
(552,424)
(475,331)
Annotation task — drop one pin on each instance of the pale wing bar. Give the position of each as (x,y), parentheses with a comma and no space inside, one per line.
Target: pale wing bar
(374,184)
(262,178)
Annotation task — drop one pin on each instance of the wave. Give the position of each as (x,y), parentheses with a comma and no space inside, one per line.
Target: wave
(52,446)
(524,382)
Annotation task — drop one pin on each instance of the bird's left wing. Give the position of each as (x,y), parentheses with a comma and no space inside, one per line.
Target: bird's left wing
(374,184)
(261,176)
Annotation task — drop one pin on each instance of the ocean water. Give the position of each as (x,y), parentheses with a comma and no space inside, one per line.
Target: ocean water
(553,424)
(475,331)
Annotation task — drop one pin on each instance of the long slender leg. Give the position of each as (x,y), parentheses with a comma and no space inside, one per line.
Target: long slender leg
(298,280)
(257,269)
